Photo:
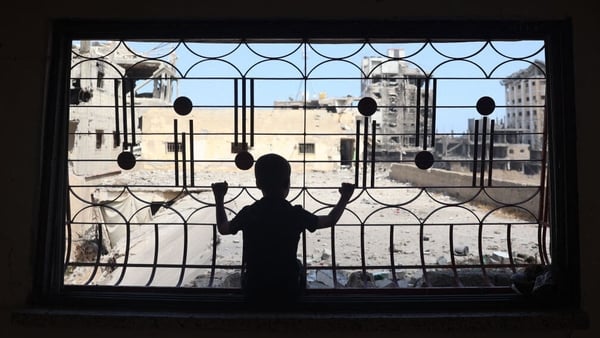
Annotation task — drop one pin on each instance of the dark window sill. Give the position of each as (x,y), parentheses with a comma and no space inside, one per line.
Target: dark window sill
(303,321)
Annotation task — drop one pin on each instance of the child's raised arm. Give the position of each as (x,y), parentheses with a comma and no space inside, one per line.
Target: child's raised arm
(219,190)
(334,215)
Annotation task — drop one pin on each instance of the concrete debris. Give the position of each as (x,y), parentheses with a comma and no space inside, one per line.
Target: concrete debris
(358,279)
(382,275)
(405,243)
(232,281)
(500,256)
(536,280)
(461,250)
(467,277)
(385,283)
(325,277)
(325,254)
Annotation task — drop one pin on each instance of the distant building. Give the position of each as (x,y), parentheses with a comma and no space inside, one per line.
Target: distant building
(398,90)
(108,81)
(327,145)
(526,101)
(331,104)
(517,139)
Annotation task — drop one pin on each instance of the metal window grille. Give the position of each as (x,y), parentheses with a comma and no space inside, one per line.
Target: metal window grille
(453,208)
(483,216)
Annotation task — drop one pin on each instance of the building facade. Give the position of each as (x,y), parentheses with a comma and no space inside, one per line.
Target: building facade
(110,86)
(525,104)
(405,104)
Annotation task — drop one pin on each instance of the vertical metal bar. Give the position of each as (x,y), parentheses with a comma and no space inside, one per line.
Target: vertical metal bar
(304,129)
(418,114)
(544,195)
(176,145)
(422,251)
(483,146)
(98,254)
(373,149)
(491,160)
(69,228)
(542,222)
(357,155)
(475,153)
(251,112)
(184,257)
(480,251)
(244,113)
(509,247)
(333,265)
(68,231)
(117,127)
(433,112)
(192,153)
(126,256)
(124,93)
(183,159)
(426,114)
(235,111)
(243,267)
(132,102)
(392,261)
(452,259)
(541,241)
(304,264)
(365,152)
(544,256)
(363,261)
(451,242)
(155,259)
(213,260)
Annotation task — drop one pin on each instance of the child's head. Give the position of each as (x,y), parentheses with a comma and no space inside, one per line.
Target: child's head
(272,174)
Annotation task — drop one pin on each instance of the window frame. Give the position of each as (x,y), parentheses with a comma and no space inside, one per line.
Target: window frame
(173,147)
(99,138)
(306,148)
(49,237)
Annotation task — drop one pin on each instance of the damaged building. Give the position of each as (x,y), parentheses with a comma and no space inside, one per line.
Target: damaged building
(405,102)
(110,86)
(518,139)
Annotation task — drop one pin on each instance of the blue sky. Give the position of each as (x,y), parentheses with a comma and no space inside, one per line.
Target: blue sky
(465,71)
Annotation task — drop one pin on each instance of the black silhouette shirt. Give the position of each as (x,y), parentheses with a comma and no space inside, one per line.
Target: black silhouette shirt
(271,230)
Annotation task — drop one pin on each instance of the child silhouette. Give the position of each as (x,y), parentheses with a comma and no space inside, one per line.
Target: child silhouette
(271,229)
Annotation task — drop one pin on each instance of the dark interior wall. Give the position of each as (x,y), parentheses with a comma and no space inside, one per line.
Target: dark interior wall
(24,30)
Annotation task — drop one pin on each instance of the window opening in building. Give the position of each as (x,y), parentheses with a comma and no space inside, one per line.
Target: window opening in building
(173,147)
(116,139)
(239,147)
(99,138)
(272,108)
(71,138)
(306,148)
(452,191)
(100,75)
